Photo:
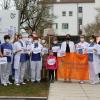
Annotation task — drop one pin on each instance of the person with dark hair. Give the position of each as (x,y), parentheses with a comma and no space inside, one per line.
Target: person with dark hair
(36,64)
(19,60)
(92,44)
(6,51)
(97,62)
(67,47)
(44,74)
(51,65)
(28,64)
(99,73)
(55,48)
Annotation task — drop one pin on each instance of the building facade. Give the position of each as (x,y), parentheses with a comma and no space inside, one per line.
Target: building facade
(71,16)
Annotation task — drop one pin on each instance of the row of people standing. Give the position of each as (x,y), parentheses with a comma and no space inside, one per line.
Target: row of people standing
(29,57)
(92,48)
(19,54)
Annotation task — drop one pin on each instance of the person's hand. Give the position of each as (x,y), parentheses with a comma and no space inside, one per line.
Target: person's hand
(95,51)
(1,55)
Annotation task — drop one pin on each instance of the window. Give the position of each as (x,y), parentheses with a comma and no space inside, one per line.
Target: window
(80,9)
(70,13)
(55,25)
(65,25)
(64,13)
(80,21)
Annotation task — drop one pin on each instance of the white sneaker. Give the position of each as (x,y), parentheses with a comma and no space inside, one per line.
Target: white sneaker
(9,83)
(23,83)
(4,84)
(17,84)
(95,82)
(81,82)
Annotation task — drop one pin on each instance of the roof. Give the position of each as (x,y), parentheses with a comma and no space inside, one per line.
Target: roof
(70,1)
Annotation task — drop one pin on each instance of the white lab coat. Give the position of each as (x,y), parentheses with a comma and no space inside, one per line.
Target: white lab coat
(36,66)
(36,50)
(17,46)
(96,61)
(83,46)
(71,46)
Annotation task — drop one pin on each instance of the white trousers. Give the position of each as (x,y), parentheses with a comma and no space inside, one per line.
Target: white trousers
(5,73)
(36,67)
(93,77)
(28,70)
(20,73)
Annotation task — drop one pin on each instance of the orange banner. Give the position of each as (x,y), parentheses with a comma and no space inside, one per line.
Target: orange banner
(73,66)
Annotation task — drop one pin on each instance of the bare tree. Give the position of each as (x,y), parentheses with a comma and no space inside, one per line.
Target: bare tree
(94,28)
(34,14)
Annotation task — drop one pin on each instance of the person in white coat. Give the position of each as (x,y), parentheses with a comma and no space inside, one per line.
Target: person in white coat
(36,64)
(81,48)
(91,57)
(67,47)
(28,64)
(19,60)
(6,50)
(96,62)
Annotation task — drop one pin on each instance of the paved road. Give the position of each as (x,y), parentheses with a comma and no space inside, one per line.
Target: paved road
(73,91)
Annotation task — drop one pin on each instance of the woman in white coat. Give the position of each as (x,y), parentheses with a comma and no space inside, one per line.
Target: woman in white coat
(19,60)
(91,57)
(97,61)
(81,48)
(67,47)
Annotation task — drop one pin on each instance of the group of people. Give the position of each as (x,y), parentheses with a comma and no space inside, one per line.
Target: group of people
(29,57)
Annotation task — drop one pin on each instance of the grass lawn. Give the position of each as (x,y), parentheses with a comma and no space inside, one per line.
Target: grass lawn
(30,89)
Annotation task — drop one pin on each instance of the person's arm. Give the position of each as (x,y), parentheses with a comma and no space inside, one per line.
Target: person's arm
(56,63)
(16,49)
(46,64)
(1,55)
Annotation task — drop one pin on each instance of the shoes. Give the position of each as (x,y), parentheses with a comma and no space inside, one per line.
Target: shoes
(81,82)
(5,84)
(23,83)
(9,83)
(17,84)
(28,80)
(95,82)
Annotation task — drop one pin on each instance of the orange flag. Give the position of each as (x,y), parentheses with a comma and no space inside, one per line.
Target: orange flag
(73,66)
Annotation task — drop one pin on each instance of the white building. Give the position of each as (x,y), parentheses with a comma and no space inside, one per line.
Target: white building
(73,15)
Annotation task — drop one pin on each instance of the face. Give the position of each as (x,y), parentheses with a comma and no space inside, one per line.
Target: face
(30,39)
(20,37)
(43,41)
(51,53)
(67,38)
(91,40)
(35,41)
(7,40)
(82,39)
(55,42)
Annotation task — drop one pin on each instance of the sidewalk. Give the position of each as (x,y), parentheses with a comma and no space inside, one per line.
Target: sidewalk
(73,91)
